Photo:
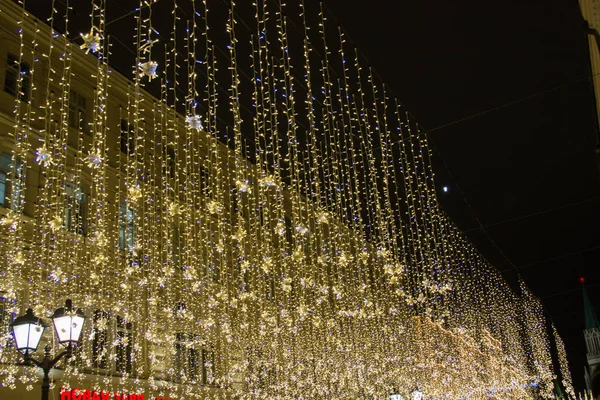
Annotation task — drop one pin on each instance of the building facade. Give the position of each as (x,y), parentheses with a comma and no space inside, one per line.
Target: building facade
(297,252)
(589,11)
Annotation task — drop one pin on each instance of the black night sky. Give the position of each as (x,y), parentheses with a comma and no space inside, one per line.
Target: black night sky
(504,89)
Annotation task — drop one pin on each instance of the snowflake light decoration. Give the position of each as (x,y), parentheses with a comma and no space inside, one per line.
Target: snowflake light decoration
(94,160)
(91,41)
(267,181)
(135,193)
(244,187)
(11,220)
(19,258)
(175,209)
(56,223)
(194,122)
(280,228)
(323,217)
(301,229)
(149,69)
(43,156)
(214,207)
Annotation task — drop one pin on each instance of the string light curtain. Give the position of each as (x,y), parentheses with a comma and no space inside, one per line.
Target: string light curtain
(264,226)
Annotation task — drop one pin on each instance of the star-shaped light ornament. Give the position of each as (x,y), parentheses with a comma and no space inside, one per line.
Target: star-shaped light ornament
(19,258)
(194,122)
(175,209)
(135,192)
(56,223)
(94,160)
(280,228)
(91,41)
(11,220)
(43,156)
(323,217)
(149,69)
(301,229)
(267,181)
(244,186)
(214,207)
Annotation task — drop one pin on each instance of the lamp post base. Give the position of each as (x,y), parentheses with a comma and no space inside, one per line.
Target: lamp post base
(46,365)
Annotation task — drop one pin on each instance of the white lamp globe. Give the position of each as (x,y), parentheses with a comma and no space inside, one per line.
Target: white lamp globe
(68,324)
(27,331)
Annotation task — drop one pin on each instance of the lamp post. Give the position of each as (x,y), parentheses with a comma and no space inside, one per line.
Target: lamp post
(28,330)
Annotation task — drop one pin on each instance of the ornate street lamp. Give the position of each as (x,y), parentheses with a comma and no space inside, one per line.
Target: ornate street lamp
(416,395)
(396,396)
(28,330)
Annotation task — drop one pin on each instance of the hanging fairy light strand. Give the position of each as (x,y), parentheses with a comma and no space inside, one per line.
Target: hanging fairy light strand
(298,253)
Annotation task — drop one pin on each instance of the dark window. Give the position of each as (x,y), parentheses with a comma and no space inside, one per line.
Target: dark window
(75,208)
(208,366)
(6,317)
(14,70)
(100,339)
(289,231)
(3,187)
(176,243)
(10,195)
(179,309)
(123,362)
(127,137)
(170,160)
(270,288)
(204,182)
(234,200)
(126,227)
(187,356)
(193,362)
(78,116)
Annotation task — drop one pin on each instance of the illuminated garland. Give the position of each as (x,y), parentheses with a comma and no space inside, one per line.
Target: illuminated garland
(298,253)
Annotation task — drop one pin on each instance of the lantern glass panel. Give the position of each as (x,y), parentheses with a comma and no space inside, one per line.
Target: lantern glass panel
(28,337)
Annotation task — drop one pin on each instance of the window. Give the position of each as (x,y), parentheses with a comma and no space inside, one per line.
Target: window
(100,339)
(208,366)
(170,160)
(127,137)
(107,332)
(263,374)
(270,287)
(8,167)
(6,316)
(176,246)
(75,208)
(194,362)
(78,118)
(187,356)
(14,69)
(204,182)
(289,231)
(261,216)
(126,227)
(3,186)
(234,200)
(123,362)
(179,309)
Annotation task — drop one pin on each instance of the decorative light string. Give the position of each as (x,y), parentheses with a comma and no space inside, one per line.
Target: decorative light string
(298,252)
